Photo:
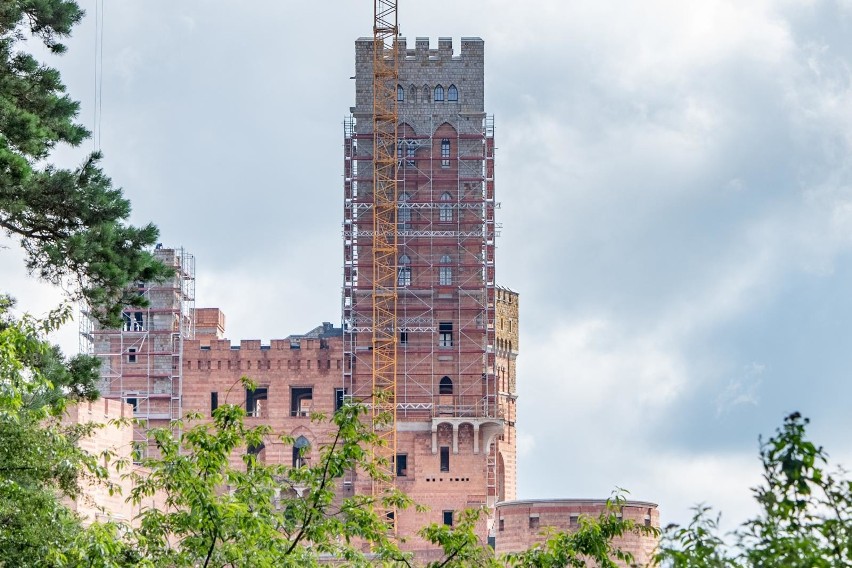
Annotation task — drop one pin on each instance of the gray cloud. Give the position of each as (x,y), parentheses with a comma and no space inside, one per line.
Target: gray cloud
(676,199)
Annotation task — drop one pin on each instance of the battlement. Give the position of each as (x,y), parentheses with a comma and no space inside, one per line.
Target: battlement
(471,49)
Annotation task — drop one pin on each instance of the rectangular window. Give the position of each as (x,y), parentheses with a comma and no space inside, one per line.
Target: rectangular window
(404,276)
(339,398)
(445,276)
(131,355)
(134,402)
(502,525)
(445,458)
(256,401)
(214,401)
(301,399)
(137,323)
(403,338)
(534,521)
(401,465)
(445,334)
(409,154)
(448,518)
(445,153)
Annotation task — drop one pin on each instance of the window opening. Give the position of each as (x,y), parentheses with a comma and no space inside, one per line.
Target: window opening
(445,271)
(448,518)
(401,465)
(403,338)
(339,398)
(131,355)
(404,275)
(404,212)
(214,401)
(400,93)
(445,153)
(300,451)
(445,209)
(445,458)
(134,402)
(445,386)
(256,401)
(534,522)
(439,94)
(452,94)
(301,399)
(445,334)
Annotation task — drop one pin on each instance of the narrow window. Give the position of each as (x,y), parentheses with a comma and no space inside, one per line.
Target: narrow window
(502,525)
(452,94)
(445,153)
(134,402)
(127,321)
(339,398)
(445,271)
(445,386)
(137,323)
(410,152)
(448,518)
(401,465)
(445,209)
(131,355)
(439,94)
(445,458)
(214,401)
(300,451)
(404,275)
(400,93)
(301,399)
(256,401)
(403,338)
(412,94)
(403,216)
(445,334)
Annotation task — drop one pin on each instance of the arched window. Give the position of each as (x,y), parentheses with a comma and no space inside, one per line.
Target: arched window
(300,450)
(445,386)
(445,209)
(445,271)
(445,153)
(452,94)
(439,94)
(400,93)
(412,94)
(403,215)
(403,277)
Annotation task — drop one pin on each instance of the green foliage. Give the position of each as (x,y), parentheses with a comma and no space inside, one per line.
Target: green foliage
(591,545)
(805,517)
(40,461)
(70,223)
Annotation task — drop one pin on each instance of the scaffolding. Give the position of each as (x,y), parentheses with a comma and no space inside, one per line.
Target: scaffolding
(446,234)
(142,361)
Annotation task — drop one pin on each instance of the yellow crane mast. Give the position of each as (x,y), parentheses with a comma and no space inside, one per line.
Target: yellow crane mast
(385,244)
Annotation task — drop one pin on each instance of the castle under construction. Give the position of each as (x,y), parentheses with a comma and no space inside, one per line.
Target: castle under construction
(455,333)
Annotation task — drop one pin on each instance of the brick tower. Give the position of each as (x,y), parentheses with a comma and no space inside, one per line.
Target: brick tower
(457,330)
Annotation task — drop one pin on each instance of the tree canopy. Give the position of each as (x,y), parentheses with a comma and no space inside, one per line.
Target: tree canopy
(70,223)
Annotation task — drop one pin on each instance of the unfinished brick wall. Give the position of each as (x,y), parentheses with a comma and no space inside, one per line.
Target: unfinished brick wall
(522,524)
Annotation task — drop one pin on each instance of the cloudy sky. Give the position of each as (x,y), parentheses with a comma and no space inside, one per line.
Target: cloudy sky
(676,188)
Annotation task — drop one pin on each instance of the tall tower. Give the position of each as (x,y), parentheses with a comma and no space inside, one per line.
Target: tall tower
(455,364)
(142,361)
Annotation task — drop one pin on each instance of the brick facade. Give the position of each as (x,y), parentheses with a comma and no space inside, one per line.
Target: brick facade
(522,524)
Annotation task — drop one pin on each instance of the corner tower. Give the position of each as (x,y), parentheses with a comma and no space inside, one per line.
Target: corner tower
(455,367)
